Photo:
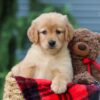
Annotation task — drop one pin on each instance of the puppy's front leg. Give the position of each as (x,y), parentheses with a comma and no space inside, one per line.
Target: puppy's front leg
(25,68)
(59,83)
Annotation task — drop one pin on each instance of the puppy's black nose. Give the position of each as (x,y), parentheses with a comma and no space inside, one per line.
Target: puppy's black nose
(52,43)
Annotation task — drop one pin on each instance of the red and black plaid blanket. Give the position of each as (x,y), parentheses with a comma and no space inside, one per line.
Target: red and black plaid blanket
(39,89)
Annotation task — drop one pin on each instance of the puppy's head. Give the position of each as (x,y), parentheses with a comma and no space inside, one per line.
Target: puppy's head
(51,31)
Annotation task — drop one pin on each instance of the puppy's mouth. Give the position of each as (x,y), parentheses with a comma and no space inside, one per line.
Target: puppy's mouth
(51,47)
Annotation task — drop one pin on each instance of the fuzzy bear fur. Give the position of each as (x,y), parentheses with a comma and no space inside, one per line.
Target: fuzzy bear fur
(92,42)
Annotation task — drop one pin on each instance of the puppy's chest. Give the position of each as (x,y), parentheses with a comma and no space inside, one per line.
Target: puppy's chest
(45,67)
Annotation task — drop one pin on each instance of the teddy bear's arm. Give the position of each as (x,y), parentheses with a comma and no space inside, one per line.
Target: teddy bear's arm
(96,73)
(84,77)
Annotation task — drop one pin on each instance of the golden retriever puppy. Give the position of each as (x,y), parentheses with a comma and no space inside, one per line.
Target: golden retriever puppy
(48,57)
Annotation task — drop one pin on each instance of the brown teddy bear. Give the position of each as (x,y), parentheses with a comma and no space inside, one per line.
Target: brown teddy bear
(84,48)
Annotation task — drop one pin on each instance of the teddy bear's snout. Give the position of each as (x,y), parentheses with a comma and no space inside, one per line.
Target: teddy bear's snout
(81,49)
(82,46)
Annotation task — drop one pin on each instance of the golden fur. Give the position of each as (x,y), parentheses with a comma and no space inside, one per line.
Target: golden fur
(44,62)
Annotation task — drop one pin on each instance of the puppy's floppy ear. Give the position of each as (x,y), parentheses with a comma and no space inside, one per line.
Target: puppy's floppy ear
(69,30)
(32,33)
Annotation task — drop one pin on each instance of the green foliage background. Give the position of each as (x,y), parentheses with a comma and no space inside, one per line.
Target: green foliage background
(13,32)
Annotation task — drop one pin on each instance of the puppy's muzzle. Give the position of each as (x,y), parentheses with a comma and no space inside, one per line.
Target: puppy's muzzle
(52,44)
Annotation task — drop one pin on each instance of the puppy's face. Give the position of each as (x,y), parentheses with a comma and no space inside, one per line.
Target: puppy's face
(51,31)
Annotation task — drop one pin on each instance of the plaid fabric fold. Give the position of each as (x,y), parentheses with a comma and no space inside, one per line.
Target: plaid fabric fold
(39,89)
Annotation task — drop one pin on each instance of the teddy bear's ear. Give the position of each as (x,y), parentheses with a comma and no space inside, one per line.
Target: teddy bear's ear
(98,37)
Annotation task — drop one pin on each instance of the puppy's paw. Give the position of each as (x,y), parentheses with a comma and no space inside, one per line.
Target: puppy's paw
(59,87)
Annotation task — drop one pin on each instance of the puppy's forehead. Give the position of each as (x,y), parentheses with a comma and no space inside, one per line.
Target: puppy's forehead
(51,18)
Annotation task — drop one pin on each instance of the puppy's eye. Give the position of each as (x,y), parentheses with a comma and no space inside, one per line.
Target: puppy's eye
(58,32)
(43,32)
